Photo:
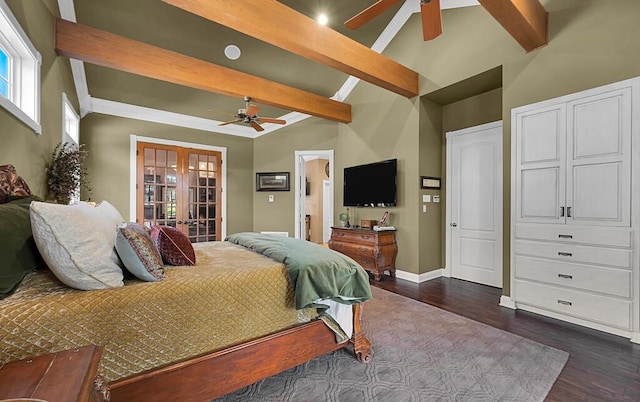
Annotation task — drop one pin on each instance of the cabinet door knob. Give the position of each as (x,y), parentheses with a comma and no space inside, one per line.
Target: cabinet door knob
(563,254)
(568,212)
(453,224)
(561,212)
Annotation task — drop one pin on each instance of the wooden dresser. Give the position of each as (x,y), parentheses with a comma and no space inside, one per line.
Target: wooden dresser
(66,376)
(375,251)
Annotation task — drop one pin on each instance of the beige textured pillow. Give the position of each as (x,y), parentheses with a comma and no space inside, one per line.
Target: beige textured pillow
(77,243)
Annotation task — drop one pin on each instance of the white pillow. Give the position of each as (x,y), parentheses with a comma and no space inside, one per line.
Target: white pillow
(77,243)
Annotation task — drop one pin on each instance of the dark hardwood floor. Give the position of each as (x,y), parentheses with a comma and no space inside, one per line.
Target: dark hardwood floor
(601,366)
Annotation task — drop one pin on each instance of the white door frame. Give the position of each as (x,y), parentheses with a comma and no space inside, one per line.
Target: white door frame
(449,167)
(134,139)
(300,188)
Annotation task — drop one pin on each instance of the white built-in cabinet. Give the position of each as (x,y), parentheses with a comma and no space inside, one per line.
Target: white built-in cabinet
(574,255)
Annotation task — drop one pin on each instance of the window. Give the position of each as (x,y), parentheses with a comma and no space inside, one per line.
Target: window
(4,73)
(70,122)
(71,133)
(19,71)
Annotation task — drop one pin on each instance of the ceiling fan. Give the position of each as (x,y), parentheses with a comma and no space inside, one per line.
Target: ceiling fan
(249,115)
(429,10)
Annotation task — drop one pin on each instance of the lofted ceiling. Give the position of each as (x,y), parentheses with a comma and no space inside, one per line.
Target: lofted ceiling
(159,24)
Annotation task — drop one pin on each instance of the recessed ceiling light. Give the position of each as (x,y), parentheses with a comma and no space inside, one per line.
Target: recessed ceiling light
(322,19)
(232,52)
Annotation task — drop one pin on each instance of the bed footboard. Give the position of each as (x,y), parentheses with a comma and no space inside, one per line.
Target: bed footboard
(219,373)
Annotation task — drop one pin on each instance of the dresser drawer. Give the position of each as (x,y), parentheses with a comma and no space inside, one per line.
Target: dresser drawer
(597,236)
(352,249)
(601,309)
(575,253)
(354,236)
(616,282)
(366,262)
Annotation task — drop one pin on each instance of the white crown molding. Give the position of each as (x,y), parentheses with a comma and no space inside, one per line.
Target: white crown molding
(120,109)
(89,104)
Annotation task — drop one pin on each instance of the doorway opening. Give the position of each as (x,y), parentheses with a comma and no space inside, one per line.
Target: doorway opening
(314,195)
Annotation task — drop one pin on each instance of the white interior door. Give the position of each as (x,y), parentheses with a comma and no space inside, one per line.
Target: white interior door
(474,192)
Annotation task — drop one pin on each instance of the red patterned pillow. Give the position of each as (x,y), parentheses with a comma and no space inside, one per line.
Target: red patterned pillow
(174,246)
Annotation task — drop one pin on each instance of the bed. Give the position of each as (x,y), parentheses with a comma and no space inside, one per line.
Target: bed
(202,332)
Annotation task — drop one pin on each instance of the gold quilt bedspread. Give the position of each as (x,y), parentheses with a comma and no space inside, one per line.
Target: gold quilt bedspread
(232,295)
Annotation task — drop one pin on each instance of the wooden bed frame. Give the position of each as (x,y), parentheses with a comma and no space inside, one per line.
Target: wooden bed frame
(216,374)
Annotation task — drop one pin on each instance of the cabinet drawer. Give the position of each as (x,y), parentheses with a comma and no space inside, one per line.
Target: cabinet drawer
(352,249)
(592,307)
(354,236)
(614,282)
(366,262)
(598,236)
(575,253)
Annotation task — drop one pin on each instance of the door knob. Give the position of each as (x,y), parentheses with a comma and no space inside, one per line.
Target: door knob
(453,224)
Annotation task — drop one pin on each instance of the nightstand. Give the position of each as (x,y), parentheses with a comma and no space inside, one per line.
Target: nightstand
(66,376)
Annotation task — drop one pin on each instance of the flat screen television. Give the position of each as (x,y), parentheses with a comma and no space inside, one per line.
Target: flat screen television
(371,185)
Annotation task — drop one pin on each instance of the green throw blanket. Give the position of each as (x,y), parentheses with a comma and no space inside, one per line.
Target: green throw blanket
(315,272)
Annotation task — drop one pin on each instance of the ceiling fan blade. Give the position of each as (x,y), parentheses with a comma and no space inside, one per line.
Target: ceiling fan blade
(370,13)
(256,126)
(252,110)
(229,122)
(431,19)
(270,120)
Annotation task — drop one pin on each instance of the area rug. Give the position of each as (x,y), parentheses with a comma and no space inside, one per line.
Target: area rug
(420,353)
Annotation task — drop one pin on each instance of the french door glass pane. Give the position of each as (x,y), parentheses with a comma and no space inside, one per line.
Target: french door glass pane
(180,189)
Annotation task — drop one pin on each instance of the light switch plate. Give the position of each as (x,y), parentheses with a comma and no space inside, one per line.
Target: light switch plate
(271,198)
(426,198)
(436,198)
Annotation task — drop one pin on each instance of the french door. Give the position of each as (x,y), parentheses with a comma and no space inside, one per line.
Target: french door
(180,187)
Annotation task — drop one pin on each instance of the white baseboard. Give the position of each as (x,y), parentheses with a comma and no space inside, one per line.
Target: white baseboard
(635,337)
(505,301)
(419,278)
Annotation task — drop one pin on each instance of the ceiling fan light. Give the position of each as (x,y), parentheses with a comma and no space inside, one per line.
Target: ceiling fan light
(232,52)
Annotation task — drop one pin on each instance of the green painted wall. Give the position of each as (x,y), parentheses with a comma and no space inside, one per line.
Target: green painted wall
(20,146)
(275,153)
(385,126)
(108,141)
(430,162)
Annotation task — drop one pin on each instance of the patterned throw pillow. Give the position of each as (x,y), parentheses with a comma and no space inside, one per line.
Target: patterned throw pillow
(11,184)
(174,246)
(138,252)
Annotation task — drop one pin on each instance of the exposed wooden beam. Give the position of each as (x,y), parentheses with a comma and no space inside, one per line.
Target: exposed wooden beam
(525,20)
(281,26)
(105,49)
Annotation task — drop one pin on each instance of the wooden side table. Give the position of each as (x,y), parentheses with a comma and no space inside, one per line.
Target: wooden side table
(375,251)
(65,376)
